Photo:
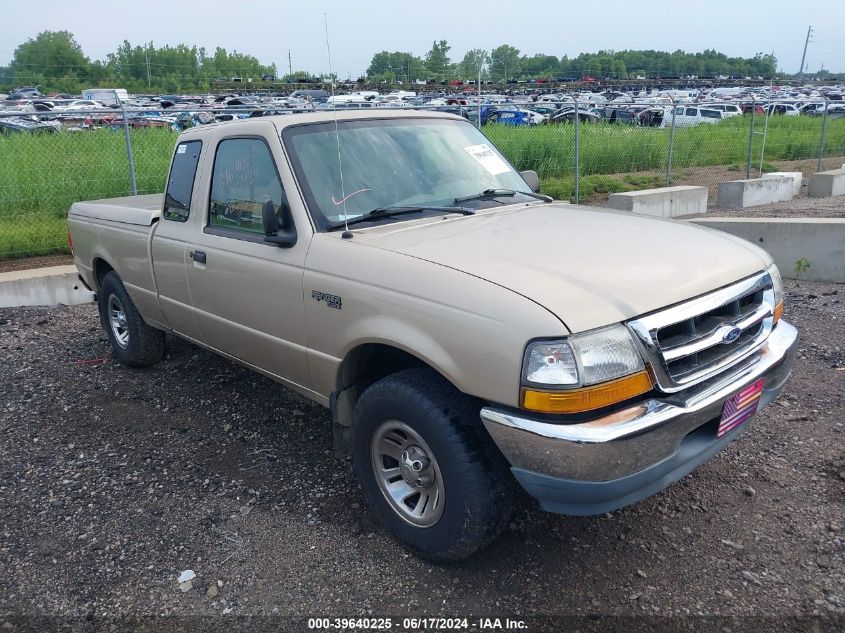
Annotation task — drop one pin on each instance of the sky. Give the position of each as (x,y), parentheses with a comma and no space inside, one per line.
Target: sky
(268,29)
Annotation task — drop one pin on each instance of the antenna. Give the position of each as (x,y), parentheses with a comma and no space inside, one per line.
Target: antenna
(346,234)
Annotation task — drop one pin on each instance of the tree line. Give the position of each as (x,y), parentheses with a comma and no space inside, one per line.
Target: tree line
(56,62)
(507,63)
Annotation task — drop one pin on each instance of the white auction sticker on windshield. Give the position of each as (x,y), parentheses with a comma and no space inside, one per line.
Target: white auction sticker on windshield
(487,158)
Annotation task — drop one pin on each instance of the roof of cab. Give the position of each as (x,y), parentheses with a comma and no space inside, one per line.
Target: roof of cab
(282,121)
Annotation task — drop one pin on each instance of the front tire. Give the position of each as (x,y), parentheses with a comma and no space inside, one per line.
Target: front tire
(430,472)
(133,342)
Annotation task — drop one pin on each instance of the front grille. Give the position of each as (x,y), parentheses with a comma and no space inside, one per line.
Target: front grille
(697,339)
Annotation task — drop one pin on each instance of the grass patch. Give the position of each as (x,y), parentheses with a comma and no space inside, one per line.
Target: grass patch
(755,167)
(32,234)
(42,175)
(564,188)
(613,149)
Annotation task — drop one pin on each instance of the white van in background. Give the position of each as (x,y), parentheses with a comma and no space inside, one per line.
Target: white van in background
(687,115)
(106,96)
(727,109)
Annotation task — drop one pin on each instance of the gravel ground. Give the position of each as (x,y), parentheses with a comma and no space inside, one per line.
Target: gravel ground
(801,207)
(113,481)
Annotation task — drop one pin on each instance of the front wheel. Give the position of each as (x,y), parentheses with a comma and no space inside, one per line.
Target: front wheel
(427,467)
(133,342)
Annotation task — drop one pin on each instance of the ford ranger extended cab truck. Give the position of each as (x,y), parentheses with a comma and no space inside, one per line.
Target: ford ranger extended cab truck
(467,333)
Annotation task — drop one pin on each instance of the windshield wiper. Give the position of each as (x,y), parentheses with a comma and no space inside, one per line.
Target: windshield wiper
(497,193)
(389,212)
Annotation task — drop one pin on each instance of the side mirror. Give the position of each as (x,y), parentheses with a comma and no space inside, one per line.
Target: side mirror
(269,218)
(283,239)
(531,179)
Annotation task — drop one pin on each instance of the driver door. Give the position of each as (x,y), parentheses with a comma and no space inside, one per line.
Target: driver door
(247,294)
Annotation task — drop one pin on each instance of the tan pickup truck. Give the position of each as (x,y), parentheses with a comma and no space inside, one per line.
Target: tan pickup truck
(467,332)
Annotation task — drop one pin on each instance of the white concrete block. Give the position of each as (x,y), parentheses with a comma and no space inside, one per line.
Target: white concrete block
(819,241)
(42,287)
(739,194)
(664,202)
(796,176)
(827,184)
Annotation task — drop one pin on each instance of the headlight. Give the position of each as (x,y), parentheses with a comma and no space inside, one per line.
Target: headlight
(777,287)
(583,359)
(584,372)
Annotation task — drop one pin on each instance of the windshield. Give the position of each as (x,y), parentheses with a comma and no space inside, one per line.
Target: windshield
(396,162)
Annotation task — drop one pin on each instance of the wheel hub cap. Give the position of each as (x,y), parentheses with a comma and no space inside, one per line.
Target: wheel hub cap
(117,321)
(414,467)
(407,473)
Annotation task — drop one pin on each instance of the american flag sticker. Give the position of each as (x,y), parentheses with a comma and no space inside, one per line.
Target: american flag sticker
(740,407)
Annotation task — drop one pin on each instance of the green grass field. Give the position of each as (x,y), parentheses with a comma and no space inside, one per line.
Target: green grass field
(41,175)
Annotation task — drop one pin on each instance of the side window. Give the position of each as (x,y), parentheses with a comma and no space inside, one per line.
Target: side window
(692,112)
(243,179)
(679,110)
(180,185)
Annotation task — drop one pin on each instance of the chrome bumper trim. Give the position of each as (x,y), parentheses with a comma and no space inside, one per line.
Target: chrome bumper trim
(629,440)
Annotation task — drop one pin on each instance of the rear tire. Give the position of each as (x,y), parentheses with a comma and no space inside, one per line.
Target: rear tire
(428,468)
(133,342)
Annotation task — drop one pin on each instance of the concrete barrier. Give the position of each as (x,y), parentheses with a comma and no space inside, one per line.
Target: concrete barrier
(665,202)
(796,176)
(826,184)
(820,242)
(739,194)
(42,287)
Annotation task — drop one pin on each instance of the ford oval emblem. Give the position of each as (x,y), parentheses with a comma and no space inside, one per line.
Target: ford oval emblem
(731,335)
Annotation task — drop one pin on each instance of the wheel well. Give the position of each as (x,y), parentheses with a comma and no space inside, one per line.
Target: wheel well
(366,364)
(101,269)
(363,366)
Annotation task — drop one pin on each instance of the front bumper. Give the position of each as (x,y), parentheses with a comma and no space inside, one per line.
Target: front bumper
(619,458)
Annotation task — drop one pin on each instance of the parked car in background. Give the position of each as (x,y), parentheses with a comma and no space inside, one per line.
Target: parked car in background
(687,115)
(727,109)
(83,104)
(785,109)
(507,116)
(315,95)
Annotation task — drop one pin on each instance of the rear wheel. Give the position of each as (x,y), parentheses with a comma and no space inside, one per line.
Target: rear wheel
(428,468)
(133,342)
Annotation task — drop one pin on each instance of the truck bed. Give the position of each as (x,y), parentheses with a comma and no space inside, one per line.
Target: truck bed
(138,210)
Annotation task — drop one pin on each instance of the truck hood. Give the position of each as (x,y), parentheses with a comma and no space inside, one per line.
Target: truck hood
(590,267)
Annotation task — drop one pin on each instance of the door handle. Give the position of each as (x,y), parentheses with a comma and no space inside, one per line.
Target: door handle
(198,257)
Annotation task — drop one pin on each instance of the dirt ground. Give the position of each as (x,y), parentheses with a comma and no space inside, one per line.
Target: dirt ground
(114,480)
(711,176)
(27,263)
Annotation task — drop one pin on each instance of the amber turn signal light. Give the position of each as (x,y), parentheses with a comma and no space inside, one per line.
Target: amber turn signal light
(778,312)
(587,398)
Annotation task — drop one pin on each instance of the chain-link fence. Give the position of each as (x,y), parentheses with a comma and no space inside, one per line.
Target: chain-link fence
(582,151)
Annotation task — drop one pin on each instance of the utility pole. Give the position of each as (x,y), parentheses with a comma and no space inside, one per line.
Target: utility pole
(804,55)
(149,75)
(290,65)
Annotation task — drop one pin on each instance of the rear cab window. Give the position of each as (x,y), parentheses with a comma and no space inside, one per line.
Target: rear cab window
(180,184)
